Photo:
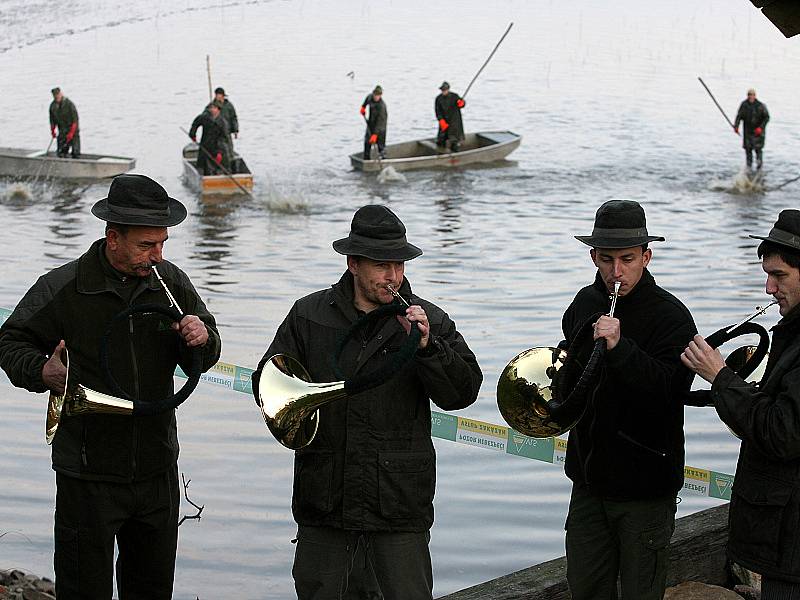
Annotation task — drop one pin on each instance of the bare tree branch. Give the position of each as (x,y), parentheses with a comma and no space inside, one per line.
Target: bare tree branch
(186,495)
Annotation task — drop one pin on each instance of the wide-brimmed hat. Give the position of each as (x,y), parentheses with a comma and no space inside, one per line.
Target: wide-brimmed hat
(786,231)
(138,200)
(377,233)
(619,224)
(444,86)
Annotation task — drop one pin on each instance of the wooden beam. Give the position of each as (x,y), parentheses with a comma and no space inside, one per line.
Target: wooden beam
(697,553)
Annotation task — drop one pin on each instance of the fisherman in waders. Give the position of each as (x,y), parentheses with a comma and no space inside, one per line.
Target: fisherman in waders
(448,107)
(376,122)
(755,117)
(64,116)
(214,141)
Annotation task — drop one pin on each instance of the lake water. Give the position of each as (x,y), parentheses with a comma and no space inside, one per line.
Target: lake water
(606,98)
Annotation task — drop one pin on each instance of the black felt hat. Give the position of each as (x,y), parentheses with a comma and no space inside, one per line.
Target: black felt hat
(377,233)
(219,90)
(786,231)
(619,224)
(138,200)
(444,86)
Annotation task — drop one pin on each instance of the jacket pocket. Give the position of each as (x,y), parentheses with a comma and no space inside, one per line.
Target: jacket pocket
(406,483)
(760,521)
(313,482)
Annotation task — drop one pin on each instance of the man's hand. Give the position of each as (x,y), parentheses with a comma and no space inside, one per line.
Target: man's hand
(460,103)
(373,139)
(192,330)
(218,158)
(608,328)
(416,314)
(443,125)
(236,135)
(194,138)
(54,373)
(702,359)
(736,129)
(53,131)
(363,110)
(758,131)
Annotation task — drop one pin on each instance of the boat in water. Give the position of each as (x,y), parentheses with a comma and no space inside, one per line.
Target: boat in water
(477,148)
(221,184)
(24,163)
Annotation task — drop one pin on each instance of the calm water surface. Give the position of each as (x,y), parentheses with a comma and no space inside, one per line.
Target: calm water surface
(606,97)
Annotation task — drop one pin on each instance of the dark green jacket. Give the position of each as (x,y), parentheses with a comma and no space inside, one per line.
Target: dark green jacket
(63,115)
(752,115)
(765,504)
(75,302)
(446,108)
(229,114)
(372,464)
(629,443)
(378,115)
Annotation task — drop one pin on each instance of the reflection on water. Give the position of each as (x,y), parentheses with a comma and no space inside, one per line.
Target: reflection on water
(499,254)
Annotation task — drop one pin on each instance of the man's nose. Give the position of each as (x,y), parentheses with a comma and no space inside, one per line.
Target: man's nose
(155,253)
(770,286)
(617,270)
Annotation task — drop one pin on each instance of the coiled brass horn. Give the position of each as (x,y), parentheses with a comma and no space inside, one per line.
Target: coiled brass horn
(289,401)
(528,392)
(77,399)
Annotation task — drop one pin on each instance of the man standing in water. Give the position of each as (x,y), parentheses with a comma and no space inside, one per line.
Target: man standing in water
(363,488)
(376,122)
(64,117)
(765,504)
(448,107)
(625,456)
(755,117)
(214,141)
(116,475)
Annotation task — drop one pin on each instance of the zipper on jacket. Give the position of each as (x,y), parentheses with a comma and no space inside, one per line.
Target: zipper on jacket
(83,445)
(628,438)
(134,428)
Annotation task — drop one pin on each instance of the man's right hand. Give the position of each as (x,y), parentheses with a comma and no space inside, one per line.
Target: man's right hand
(53,131)
(736,130)
(194,138)
(54,373)
(363,110)
(443,125)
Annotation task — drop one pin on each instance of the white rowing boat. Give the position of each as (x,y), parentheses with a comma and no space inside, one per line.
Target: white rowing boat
(25,163)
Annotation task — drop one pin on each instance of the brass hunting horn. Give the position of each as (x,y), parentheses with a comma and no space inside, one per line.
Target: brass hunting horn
(530,391)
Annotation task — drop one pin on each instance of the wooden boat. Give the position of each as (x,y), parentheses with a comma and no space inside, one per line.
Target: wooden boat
(23,164)
(220,184)
(482,147)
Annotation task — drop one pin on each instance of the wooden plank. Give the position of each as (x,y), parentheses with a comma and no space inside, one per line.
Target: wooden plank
(697,553)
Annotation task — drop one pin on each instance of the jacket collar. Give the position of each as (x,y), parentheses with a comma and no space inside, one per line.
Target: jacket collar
(92,277)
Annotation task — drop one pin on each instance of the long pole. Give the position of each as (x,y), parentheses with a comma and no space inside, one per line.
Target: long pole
(700,79)
(208,73)
(223,169)
(510,25)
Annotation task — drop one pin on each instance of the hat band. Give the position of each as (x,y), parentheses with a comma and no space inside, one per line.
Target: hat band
(619,233)
(785,237)
(142,212)
(370,242)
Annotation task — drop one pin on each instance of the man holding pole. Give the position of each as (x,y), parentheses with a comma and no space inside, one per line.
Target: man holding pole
(376,122)
(448,107)
(214,141)
(64,116)
(755,117)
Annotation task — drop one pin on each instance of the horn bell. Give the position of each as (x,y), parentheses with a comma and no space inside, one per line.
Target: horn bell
(290,401)
(524,389)
(80,400)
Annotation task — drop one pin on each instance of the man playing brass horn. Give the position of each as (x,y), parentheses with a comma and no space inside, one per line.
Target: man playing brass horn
(363,488)
(116,475)
(625,456)
(765,504)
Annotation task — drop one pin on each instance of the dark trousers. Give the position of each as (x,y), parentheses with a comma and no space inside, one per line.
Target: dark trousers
(611,538)
(773,589)
(63,147)
(444,140)
(748,152)
(381,144)
(142,516)
(333,564)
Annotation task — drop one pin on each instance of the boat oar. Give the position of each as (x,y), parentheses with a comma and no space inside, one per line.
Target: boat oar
(44,160)
(784,184)
(223,169)
(700,79)
(510,25)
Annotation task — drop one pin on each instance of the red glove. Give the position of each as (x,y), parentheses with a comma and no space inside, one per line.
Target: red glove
(71,132)
(53,130)
(218,158)
(758,131)
(373,139)
(460,103)
(194,138)
(363,110)
(443,125)
(736,130)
